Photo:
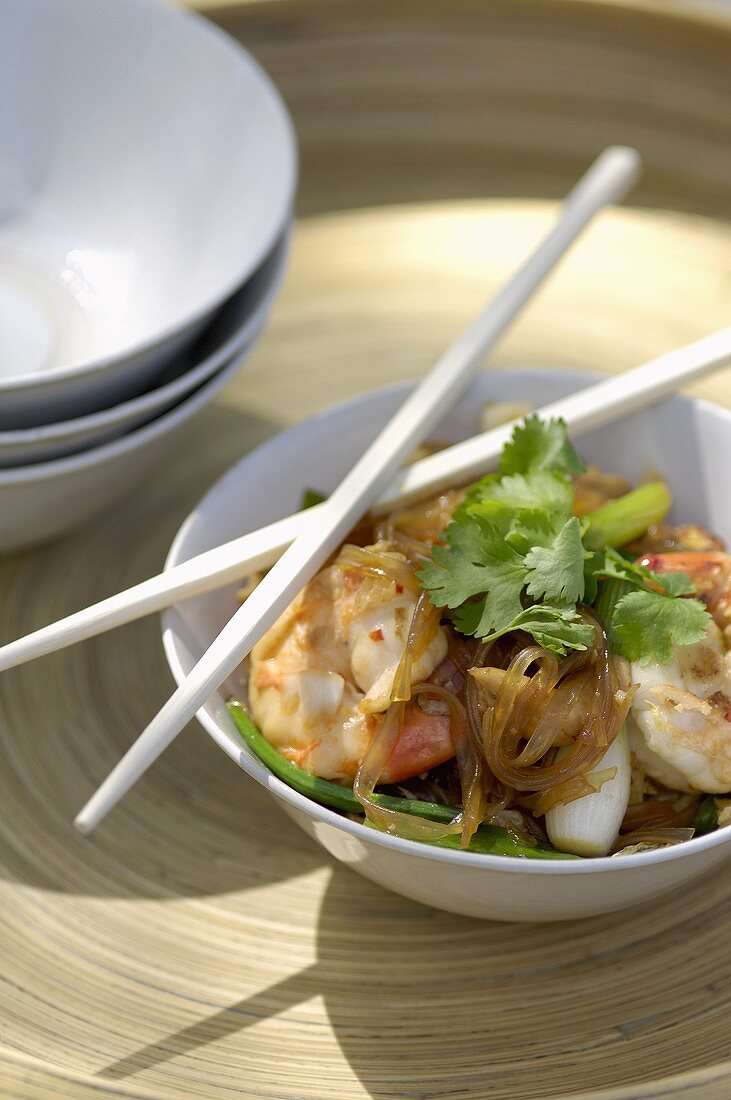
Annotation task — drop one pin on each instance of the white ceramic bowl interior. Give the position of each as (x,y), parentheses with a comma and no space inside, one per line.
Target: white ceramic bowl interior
(40,502)
(317,454)
(232,332)
(148,167)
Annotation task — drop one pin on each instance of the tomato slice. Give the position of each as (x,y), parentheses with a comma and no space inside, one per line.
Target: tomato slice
(423,744)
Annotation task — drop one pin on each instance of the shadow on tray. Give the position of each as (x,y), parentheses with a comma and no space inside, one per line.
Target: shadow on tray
(423,1003)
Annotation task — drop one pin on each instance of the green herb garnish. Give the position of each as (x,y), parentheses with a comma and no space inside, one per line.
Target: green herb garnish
(310,497)
(488,839)
(706,817)
(647,626)
(540,445)
(516,558)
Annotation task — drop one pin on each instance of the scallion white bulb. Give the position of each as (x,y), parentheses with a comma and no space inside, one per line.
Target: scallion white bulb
(589,826)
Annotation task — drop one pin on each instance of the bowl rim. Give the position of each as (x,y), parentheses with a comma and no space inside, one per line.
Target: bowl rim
(182,384)
(281,217)
(258,771)
(16,476)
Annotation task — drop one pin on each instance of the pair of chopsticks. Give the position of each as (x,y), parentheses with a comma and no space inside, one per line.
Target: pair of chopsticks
(307,540)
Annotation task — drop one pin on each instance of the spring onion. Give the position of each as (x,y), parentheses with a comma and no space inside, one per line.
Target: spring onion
(620,521)
(589,826)
(706,817)
(488,840)
(609,594)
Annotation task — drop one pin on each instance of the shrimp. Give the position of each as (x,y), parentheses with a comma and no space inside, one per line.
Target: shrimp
(662,537)
(682,710)
(321,678)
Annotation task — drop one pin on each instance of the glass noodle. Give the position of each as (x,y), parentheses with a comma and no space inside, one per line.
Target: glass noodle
(577,702)
(531,733)
(424,624)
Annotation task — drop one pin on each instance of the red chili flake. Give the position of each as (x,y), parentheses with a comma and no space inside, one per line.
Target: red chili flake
(651,561)
(399,589)
(728,716)
(376,635)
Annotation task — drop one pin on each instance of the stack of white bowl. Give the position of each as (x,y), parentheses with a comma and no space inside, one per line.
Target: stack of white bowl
(146,191)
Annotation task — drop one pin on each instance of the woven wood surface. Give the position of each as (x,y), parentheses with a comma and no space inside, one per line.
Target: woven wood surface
(198,945)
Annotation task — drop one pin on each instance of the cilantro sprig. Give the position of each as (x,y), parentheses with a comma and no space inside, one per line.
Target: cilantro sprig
(516,558)
(540,445)
(647,626)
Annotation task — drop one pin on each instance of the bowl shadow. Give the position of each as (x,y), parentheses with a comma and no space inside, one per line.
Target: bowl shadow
(426,1004)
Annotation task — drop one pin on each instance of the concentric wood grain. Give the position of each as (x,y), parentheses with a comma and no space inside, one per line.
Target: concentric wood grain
(198,945)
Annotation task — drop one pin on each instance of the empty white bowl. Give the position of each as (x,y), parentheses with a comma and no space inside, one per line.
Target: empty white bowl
(148,168)
(39,502)
(231,333)
(317,454)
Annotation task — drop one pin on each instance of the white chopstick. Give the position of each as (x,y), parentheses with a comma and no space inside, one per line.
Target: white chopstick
(592,407)
(607,179)
(610,176)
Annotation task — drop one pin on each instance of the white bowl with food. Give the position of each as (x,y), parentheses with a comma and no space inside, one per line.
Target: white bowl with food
(131,209)
(41,502)
(232,332)
(600,773)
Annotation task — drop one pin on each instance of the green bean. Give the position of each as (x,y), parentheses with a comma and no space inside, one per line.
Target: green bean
(319,790)
(706,817)
(493,841)
(489,839)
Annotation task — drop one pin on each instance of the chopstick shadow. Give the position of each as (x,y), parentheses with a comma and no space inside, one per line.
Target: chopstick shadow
(427,1004)
(228,1021)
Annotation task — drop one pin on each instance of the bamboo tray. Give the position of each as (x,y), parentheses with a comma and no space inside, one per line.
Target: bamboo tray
(198,945)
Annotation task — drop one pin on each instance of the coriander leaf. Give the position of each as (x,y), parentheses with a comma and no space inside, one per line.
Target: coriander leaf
(556,573)
(540,491)
(494,512)
(615,565)
(539,445)
(527,529)
(647,626)
(556,628)
(675,584)
(523,528)
(467,618)
(477,561)
(476,491)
